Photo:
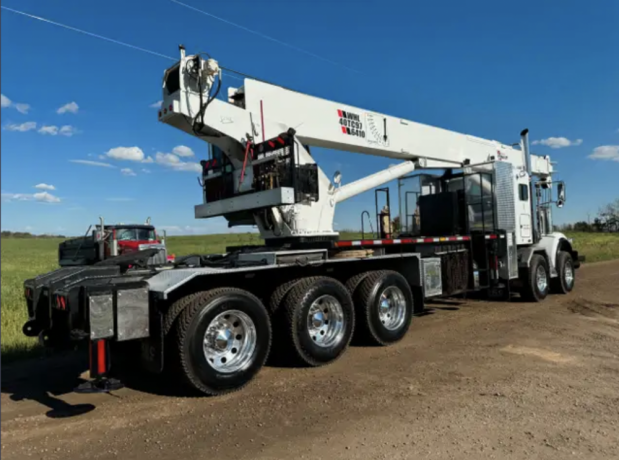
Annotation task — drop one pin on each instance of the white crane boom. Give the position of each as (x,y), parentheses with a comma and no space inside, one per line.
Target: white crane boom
(249,189)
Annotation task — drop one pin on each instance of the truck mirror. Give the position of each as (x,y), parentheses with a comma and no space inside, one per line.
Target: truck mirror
(560,194)
(337,178)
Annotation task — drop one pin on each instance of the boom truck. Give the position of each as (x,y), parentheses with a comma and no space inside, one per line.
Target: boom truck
(483,224)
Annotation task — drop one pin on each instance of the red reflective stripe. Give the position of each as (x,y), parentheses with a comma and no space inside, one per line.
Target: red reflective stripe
(428,240)
(387,241)
(344,129)
(343,243)
(101,357)
(281,141)
(367,241)
(339,113)
(63,303)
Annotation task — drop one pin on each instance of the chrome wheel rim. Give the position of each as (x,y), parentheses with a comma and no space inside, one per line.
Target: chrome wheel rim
(325,321)
(230,341)
(392,308)
(541,278)
(568,274)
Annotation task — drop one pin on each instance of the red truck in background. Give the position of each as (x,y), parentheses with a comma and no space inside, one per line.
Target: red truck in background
(111,240)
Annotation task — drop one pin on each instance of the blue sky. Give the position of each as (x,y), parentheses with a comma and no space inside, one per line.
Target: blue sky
(481,67)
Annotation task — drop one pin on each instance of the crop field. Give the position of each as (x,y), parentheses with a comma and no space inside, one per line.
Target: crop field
(28,257)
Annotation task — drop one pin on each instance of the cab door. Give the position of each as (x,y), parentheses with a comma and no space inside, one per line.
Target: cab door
(523,211)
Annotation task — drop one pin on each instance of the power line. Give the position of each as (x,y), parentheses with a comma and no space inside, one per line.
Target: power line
(117,42)
(88,33)
(260,34)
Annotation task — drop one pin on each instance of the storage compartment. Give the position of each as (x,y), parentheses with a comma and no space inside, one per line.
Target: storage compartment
(432,276)
(442,214)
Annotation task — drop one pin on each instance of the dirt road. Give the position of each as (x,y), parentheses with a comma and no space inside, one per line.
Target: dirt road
(471,381)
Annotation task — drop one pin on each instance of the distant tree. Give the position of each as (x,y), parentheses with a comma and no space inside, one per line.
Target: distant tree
(582,226)
(396,227)
(598,225)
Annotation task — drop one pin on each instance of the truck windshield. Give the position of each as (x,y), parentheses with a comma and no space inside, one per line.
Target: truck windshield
(135,234)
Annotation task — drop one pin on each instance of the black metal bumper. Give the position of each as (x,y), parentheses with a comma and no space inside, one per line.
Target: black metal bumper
(87,302)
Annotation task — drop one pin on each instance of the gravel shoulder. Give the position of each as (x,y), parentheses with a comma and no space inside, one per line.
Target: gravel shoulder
(471,380)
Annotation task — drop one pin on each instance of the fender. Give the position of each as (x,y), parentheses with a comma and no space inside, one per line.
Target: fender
(549,246)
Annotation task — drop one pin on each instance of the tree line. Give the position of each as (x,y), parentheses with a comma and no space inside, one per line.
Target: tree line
(607,220)
(9,234)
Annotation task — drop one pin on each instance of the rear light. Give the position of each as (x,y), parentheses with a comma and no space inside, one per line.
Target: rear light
(160,114)
(165,111)
(61,302)
(170,108)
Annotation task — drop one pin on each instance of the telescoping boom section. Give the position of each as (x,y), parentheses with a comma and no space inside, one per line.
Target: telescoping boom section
(478,222)
(261,171)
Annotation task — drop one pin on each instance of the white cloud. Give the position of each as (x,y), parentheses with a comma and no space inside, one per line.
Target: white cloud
(93,163)
(43,197)
(46,197)
(45,187)
(169,160)
(51,130)
(66,130)
(20,107)
(605,152)
(182,151)
(71,107)
(128,154)
(156,105)
(190,167)
(558,142)
(127,172)
(27,126)
(146,171)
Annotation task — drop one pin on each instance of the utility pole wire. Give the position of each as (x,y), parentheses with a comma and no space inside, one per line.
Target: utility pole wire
(87,33)
(260,34)
(117,42)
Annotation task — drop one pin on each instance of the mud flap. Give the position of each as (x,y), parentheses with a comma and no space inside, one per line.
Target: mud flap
(153,346)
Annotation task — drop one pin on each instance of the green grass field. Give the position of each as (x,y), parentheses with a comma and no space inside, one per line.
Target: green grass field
(26,258)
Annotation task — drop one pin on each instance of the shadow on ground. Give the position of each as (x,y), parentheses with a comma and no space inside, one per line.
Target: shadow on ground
(35,380)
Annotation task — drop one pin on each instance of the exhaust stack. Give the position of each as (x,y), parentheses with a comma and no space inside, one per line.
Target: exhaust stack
(524,143)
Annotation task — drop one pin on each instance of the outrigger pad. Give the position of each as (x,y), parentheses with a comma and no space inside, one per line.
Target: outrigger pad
(102,385)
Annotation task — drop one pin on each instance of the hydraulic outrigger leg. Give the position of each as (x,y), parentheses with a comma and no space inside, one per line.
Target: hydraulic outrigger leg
(100,365)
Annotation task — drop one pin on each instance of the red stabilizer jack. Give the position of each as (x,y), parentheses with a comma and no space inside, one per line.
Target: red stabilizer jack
(99,358)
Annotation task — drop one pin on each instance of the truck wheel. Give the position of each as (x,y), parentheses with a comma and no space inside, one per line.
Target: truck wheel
(223,339)
(319,317)
(384,307)
(564,282)
(535,283)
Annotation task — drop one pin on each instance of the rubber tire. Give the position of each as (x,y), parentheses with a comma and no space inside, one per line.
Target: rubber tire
(192,322)
(370,330)
(558,285)
(294,338)
(530,292)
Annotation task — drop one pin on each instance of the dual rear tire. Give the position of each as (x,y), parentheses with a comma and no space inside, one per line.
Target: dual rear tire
(223,337)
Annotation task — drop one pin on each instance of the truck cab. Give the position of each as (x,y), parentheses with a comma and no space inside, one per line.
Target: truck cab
(111,240)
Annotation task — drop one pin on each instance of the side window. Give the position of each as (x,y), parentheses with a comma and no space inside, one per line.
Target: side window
(523,191)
